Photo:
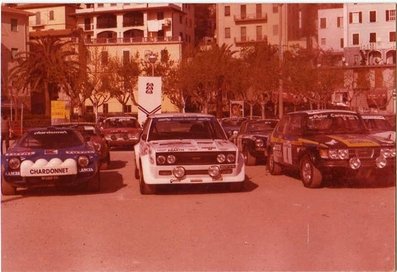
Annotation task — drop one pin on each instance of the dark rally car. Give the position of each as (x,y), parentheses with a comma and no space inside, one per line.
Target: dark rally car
(50,156)
(328,142)
(252,139)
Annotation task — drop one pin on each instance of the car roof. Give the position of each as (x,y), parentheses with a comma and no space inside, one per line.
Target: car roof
(76,124)
(311,112)
(120,117)
(189,114)
(48,128)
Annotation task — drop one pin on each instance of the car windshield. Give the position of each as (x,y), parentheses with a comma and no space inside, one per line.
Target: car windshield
(377,124)
(51,139)
(121,123)
(261,126)
(329,123)
(185,128)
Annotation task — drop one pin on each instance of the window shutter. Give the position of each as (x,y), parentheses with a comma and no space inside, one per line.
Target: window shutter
(360,17)
(350,17)
(387,15)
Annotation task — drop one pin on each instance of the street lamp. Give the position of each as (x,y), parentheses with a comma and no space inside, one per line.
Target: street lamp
(280,90)
(152,59)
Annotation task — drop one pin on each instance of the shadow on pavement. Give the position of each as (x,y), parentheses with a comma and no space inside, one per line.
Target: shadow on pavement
(116,165)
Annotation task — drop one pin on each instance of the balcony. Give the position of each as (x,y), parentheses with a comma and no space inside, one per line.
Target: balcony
(132,40)
(378,46)
(247,41)
(250,18)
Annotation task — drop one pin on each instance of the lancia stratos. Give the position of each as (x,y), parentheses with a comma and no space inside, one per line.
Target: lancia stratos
(186,149)
(50,157)
(329,143)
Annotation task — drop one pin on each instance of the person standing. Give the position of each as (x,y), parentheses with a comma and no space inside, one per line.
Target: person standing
(5,132)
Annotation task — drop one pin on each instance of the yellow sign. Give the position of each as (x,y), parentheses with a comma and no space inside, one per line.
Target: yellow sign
(59,112)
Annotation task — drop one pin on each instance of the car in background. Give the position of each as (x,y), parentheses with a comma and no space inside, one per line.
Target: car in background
(50,156)
(379,126)
(232,125)
(121,131)
(186,148)
(252,139)
(92,133)
(322,143)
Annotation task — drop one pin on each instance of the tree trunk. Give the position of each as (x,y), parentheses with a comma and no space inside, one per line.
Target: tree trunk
(47,101)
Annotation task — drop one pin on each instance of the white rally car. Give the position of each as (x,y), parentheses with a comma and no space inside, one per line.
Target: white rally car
(186,148)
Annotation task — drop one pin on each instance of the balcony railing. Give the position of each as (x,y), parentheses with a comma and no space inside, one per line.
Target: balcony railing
(132,40)
(249,40)
(378,45)
(250,18)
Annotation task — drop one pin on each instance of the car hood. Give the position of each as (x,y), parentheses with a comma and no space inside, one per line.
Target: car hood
(192,145)
(347,140)
(256,134)
(121,130)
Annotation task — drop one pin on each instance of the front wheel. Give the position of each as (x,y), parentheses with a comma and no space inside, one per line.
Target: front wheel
(311,176)
(273,167)
(144,188)
(7,188)
(249,159)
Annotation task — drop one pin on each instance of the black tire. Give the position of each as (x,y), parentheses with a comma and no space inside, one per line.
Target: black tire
(236,186)
(144,188)
(94,184)
(136,173)
(249,159)
(273,167)
(310,175)
(7,188)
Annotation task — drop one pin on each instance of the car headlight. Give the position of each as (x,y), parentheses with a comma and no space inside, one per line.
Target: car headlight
(343,154)
(259,142)
(83,161)
(214,171)
(355,163)
(388,152)
(179,172)
(230,158)
(14,163)
(333,154)
(171,159)
(381,162)
(160,159)
(221,158)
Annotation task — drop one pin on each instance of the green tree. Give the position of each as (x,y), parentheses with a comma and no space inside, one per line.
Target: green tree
(48,63)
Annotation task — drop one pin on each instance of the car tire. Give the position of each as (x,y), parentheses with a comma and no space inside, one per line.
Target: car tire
(249,159)
(136,173)
(94,184)
(273,167)
(236,186)
(106,163)
(144,188)
(310,175)
(7,188)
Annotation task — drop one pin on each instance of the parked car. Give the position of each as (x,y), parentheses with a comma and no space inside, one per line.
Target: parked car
(328,142)
(252,139)
(186,149)
(121,131)
(379,126)
(92,133)
(232,124)
(50,156)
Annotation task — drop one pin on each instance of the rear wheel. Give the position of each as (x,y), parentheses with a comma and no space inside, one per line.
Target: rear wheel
(273,167)
(249,159)
(7,188)
(144,188)
(94,184)
(310,174)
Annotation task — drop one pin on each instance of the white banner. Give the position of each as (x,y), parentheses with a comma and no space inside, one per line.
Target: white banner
(149,97)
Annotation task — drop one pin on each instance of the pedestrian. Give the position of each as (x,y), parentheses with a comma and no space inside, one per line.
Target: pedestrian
(5,131)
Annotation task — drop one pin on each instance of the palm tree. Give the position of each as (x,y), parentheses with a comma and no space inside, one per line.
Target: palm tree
(49,62)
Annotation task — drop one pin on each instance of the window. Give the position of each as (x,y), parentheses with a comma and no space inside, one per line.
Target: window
(323,22)
(243,11)
(38,18)
(126,108)
(89,109)
(339,22)
(113,4)
(259,33)
(227,10)
(341,43)
(126,56)
(160,15)
(390,15)
(392,36)
(323,41)
(100,5)
(51,15)
(227,32)
(243,33)
(356,38)
(275,30)
(372,16)
(14,52)
(355,17)
(104,57)
(14,25)
(105,108)
(258,10)
(372,37)
(275,8)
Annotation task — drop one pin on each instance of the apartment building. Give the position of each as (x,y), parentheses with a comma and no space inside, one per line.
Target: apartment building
(14,38)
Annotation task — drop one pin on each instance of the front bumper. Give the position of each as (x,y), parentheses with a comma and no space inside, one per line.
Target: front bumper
(330,166)
(120,143)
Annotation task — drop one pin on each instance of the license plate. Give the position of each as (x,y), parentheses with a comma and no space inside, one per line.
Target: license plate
(50,178)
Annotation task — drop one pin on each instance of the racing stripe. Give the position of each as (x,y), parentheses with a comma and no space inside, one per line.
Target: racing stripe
(355,142)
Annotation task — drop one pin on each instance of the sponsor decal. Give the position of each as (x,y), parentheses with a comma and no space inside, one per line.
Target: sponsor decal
(46,171)
(12,173)
(20,154)
(50,132)
(354,142)
(77,152)
(85,170)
